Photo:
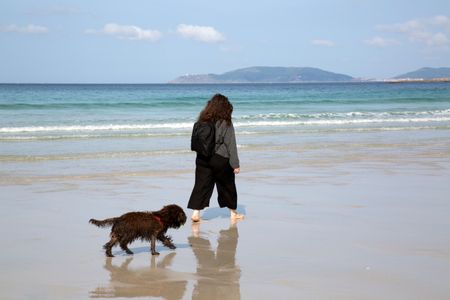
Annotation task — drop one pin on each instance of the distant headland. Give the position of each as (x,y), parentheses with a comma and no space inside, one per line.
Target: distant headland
(424,75)
(306,74)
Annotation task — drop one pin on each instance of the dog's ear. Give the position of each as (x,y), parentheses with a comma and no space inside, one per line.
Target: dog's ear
(165,209)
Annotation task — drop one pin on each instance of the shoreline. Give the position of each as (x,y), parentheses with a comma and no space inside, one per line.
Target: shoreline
(320,223)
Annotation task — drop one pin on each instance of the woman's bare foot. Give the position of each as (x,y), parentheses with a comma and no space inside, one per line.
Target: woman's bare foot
(235,216)
(195,215)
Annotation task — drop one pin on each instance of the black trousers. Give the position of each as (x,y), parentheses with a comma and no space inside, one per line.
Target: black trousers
(209,172)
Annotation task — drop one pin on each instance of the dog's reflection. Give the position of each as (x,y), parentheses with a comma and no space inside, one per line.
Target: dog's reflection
(152,281)
(218,274)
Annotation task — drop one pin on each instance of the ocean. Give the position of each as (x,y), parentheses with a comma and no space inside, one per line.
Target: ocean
(81,130)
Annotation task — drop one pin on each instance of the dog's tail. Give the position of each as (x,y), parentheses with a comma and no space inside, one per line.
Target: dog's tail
(103,223)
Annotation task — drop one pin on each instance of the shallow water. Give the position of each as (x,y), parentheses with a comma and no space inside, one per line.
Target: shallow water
(84,130)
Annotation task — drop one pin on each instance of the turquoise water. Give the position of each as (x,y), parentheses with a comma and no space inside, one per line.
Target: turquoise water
(33,112)
(111,129)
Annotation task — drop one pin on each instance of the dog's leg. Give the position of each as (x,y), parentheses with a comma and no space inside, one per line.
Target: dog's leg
(153,245)
(109,245)
(124,246)
(167,241)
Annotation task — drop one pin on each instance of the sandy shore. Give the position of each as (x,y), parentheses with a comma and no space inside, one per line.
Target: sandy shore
(324,228)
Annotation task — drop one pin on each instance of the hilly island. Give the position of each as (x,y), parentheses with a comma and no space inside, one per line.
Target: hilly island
(266,75)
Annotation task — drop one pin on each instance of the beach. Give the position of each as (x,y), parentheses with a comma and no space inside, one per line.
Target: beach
(344,196)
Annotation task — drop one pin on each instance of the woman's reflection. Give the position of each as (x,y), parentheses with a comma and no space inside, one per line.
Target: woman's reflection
(218,274)
(152,281)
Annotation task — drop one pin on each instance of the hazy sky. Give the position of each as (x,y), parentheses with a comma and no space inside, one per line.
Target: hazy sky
(155,41)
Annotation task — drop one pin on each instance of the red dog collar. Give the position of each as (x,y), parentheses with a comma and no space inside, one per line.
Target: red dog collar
(159,220)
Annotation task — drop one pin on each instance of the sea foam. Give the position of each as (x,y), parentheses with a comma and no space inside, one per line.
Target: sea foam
(237,123)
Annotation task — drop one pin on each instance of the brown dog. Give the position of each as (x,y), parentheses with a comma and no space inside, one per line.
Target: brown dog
(148,226)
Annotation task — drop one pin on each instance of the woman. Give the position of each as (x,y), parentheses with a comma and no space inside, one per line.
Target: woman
(220,169)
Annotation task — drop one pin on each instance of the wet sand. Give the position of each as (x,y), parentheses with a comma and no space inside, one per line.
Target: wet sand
(326,227)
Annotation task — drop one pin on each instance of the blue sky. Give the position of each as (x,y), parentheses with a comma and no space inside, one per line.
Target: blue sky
(156,41)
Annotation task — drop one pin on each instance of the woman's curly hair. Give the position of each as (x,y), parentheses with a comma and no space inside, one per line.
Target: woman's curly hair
(217,108)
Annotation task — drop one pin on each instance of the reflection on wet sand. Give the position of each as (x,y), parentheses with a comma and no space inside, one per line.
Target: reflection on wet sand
(151,281)
(218,274)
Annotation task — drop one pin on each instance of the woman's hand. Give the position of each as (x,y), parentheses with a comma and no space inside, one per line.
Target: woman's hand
(237,170)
